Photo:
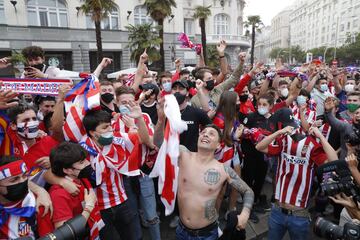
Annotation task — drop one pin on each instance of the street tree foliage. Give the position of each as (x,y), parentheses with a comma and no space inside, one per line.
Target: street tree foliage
(98,10)
(254,24)
(141,37)
(202,13)
(159,10)
(348,54)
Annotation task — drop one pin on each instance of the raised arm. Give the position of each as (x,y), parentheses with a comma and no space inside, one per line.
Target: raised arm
(57,119)
(136,113)
(263,145)
(204,100)
(329,115)
(223,61)
(295,88)
(104,63)
(247,194)
(328,149)
(235,76)
(140,72)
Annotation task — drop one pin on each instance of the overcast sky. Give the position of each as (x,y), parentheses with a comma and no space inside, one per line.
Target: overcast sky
(267,9)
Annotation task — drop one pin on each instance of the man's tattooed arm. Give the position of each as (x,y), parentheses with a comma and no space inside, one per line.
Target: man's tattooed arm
(236,182)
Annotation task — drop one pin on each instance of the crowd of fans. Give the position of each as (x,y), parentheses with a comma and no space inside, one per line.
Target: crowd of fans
(243,125)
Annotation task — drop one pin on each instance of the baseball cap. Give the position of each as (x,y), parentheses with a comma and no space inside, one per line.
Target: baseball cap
(182,83)
(285,117)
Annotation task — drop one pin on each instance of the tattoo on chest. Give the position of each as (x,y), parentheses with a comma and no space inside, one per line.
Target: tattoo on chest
(212,176)
(210,210)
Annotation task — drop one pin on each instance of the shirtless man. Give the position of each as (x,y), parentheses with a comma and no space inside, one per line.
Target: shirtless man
(201,179)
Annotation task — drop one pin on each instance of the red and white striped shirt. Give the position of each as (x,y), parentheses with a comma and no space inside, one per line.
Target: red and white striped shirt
(120,126)
(296,168)
(325,129)
(310,116)
(110,163)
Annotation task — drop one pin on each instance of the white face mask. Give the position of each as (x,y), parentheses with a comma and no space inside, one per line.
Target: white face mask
(29,130)
(263,110)
(167,86)
(349,88)
(284,92)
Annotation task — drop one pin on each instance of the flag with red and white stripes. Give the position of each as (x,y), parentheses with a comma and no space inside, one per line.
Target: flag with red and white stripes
(166,165)
(82,97)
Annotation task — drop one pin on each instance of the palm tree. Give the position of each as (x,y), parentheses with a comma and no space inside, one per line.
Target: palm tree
(159,10)
(143,37)
(256,24)
(202,13)
(98,10)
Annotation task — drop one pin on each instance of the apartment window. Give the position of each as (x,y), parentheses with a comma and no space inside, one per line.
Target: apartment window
(2,12)
(342,27)
(189,26)
(348,26)
(221,24)
(355,23)
(47,13)
(141,16)
(111,22)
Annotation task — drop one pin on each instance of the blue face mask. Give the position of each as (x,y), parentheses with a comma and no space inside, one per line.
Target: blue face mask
(301,100)
(167,86)
(324,87)
(263,111)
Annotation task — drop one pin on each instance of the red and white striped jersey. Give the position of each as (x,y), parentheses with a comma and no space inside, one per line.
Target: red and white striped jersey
(225,154)
(310,116)
(120,126)
(110,163)
(296,168)
(325,129)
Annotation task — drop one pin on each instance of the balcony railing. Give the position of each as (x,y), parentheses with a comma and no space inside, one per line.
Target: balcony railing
(227,37)
(230,39)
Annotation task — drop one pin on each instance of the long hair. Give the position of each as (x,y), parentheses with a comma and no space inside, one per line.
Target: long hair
(227,107)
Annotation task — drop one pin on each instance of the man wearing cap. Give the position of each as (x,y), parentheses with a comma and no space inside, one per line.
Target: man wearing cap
(299,154)
(194,117)
(18,203)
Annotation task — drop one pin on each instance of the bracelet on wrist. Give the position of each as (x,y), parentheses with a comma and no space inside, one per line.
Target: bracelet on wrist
(222,56)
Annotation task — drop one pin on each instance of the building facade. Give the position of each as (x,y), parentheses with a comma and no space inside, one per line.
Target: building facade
(280,29)
(68,36)
(316,23)
(262,45)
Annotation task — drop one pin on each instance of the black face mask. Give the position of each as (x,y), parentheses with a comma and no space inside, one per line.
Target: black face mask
(180,98)
(89,173)
(244,98)
(28,100)
(17,191)
(107,97)
(39,66)
(210,85)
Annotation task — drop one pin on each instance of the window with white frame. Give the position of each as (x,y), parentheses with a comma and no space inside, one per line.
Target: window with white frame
(221,24)
(189,26)
(47,13)
(2,12)
(111,22)
(141,16)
